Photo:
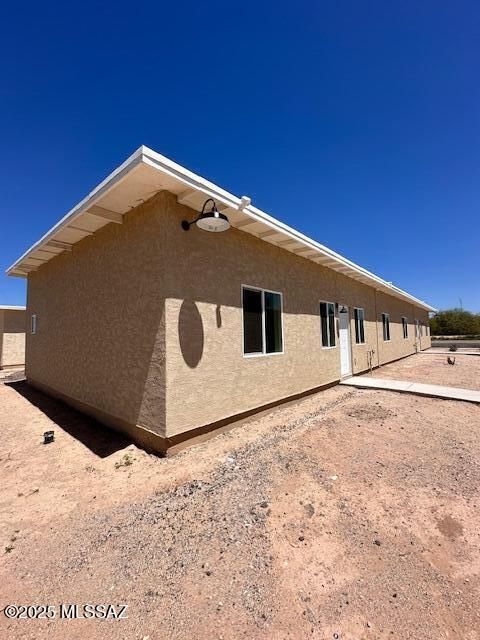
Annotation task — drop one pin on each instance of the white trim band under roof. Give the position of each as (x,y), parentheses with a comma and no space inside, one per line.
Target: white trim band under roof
(100,207)
(6,307)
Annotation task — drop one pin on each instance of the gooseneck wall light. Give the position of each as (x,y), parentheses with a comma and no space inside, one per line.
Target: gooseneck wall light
(211,220)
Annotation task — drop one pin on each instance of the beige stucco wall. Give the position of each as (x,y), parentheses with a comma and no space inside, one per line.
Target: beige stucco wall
(12,337)
(399,347)
(208,378)
(100,322)
(142,323)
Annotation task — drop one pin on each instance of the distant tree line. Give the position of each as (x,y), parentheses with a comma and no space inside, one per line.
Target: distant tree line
(455,322)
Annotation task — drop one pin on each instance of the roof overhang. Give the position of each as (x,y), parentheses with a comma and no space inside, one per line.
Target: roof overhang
(144,174)
(6,307)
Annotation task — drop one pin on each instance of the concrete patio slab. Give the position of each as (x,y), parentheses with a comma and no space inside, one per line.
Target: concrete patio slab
(404,386)
(441,352)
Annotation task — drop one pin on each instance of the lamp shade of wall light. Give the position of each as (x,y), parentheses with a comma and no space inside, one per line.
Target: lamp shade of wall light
(212,220)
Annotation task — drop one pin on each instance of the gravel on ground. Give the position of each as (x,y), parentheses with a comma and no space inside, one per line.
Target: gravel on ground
(352,514)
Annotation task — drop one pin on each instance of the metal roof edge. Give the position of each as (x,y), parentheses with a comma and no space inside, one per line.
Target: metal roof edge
(9,307)
(154,159)
(89,199)
(180,172)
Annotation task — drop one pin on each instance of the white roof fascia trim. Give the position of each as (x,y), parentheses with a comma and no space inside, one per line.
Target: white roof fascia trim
(194,181)
(6,307)
(185,175)
(191,180)
(114,178)
(260,216)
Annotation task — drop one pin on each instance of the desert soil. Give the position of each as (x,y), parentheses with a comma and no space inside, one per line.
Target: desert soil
(353,514)
(435,369)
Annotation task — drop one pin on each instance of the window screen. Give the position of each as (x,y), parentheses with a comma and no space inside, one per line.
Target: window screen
(386,326)
(327,323)
(405,327)
(252,321)
(273,322)
(359,326)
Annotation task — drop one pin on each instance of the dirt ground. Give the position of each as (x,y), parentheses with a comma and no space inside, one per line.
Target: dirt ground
(353,514)
(433,368)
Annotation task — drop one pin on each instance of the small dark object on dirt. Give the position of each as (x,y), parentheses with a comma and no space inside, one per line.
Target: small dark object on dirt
(453,347)
(377,542)
(48,436)
(450,360)
(310,509)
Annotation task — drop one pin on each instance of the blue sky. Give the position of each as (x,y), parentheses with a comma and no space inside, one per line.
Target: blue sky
(356,122)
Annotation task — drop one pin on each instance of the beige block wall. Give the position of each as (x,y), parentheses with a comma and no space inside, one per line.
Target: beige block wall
(12,337)
(208,378)
(100,322)
(142,322)
(399,347)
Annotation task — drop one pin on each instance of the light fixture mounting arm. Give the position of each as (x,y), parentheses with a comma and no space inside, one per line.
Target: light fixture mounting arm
(211,220)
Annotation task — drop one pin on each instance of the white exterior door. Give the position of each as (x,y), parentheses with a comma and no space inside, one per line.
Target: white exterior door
(344,340)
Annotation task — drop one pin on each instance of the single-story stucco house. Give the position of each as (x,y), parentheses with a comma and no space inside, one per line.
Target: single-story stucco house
(166,331)
(12,336)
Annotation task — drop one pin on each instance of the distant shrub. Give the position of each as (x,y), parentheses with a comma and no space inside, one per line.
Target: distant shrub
(453,347)
(455,322)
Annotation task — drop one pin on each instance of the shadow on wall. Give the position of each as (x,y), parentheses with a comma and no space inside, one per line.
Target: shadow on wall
(190,333)
(95,436)
(94,344)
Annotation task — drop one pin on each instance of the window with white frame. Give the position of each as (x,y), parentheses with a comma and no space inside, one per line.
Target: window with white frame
(386,326)
(262,321)
(33,324)
(405,327)
(359,315)
(327,323)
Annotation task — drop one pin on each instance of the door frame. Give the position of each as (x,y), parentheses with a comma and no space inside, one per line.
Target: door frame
(349,342)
